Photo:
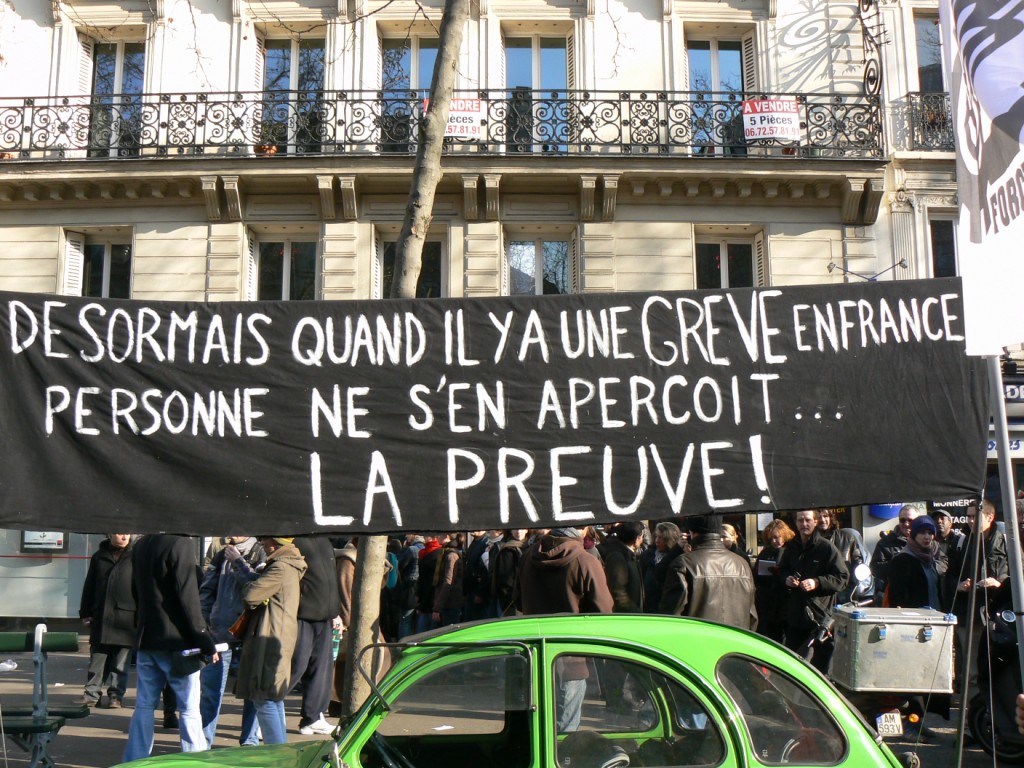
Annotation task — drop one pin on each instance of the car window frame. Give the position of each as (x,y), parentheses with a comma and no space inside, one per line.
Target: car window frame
(795,680)
(718,711)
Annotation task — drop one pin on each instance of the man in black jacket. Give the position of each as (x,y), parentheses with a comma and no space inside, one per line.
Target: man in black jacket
(170,620)
(890,545)
(813,572)
(319,603)
(108,609)
(710,582)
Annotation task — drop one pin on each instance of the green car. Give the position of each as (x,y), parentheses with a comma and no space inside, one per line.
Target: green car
(593,691)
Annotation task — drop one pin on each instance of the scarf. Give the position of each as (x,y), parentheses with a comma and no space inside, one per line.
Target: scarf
(926,555)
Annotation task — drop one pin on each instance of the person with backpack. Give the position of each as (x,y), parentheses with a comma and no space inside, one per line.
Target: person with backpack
(503,565)
(476,579)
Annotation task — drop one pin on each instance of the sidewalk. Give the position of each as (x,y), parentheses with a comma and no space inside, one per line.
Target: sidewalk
(98,740)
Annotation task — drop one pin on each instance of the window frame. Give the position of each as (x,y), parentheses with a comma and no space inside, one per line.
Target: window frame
(723,255)
(538,241)
(107,244)
(287,240)
(385,237)
(914,74)
(295,100)
(953,219)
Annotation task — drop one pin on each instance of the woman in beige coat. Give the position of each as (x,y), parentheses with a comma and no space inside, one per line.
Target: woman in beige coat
(273,597)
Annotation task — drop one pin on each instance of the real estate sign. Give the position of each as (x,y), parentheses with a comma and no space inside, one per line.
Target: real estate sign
(771,119)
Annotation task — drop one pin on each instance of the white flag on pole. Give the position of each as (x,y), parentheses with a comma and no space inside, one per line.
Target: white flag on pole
(983,41)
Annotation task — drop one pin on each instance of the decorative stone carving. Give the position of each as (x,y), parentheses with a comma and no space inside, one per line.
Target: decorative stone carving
(347,186)
(209,184)
(492,183)
(469,195)
(233,197)
(692,187)
(325,184)
(901,201)
(770,189)
(638,188)
(744,188)
(872,200)
(588,184)
(611,191)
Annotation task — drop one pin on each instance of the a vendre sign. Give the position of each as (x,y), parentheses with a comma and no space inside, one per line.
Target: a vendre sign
(465,118)
(771,119)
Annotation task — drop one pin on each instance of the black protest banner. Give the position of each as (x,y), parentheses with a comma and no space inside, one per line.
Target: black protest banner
(475,414)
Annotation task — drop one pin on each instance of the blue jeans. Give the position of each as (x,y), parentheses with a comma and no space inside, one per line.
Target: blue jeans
(270,715)
(213,680)
(153,669)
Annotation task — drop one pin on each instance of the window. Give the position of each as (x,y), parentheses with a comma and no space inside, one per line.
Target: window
(291,117)
(785,723)
(107,270)
(929,54)
(942,239)
(539,267)
(407,67)
(429,285)
(611,711)
(474,712)
(115,121)
(286,269)
(538,71)
(720,71)
(725,264)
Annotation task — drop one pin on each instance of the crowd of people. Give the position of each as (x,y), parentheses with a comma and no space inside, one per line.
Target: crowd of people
(268,610)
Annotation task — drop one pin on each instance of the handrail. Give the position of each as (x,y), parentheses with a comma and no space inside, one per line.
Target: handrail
(509,122)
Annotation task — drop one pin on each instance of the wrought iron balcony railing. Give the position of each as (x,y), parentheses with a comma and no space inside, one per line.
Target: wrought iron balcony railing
(385,122)
(931,122)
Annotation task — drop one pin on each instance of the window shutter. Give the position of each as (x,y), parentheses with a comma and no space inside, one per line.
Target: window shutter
(376,265)
(574,263)
(74,263)
(252,267)
(761,276)
(259,65)
(85,58)
(503,267)
(380,63)
(570,62)
(684,65)
(749,54)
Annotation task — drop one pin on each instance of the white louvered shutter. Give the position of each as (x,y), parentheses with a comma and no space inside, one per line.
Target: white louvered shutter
(684,64)
(260,64)
(376,265)
(74,263)
(575,267)
(761,275)
(570,62)
(503,266)
(252,267)
(749,53)
(86,47)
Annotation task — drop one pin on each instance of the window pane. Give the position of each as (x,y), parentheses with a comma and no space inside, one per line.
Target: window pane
(741,265)
(278,66)
(302,285)
(553,64)
(428,55)
(519,62)
(943,235)
(929,54)
(396,64)
(104,68)
(698,56)
(610,707)
(709,265)
(786,723)
(92,270)
(429,284)
(467,713)
(730,66)
(134,66)
(556,267)
(271,284)
(522,268)
(120,272)
(311,65)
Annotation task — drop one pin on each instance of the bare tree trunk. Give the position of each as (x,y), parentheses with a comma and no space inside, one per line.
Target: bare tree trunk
(369,574)
(427,171)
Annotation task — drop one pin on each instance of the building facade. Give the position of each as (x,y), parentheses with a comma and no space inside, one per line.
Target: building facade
(262,149)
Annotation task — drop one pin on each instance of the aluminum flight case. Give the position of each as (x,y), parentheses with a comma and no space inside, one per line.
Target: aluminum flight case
(909,650)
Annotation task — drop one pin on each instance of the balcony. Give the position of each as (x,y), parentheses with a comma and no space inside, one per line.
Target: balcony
(931,122)
(511,123)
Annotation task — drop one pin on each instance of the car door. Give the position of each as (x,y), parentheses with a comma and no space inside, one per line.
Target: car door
(606,707)
(461,708)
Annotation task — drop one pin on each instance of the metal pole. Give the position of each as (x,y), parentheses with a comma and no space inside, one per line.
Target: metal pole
(995,374)
(974,555)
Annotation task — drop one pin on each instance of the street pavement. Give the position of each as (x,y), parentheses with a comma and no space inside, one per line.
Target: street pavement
(98,740)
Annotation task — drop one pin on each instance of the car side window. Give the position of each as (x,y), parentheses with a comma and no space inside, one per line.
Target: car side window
(613,712)
(467,714)
(786,723)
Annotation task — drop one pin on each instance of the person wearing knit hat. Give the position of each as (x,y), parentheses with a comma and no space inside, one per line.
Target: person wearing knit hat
(917,571)
(282,540)
(921,523)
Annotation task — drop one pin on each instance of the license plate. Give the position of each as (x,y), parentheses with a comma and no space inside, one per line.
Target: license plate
(889,724)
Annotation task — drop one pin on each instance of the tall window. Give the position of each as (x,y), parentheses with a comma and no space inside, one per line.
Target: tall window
(539,267)
(286,269)
(429,285)
(107,270)
(407,66)
(725,264)
(929,54)
(117,84)
(537,74)
(720,71)
(942,236)
(293,80)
